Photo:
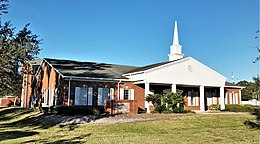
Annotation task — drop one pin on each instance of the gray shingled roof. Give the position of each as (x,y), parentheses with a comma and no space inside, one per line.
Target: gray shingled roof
(36,62)
(230,84)
(89,69)
(150,66)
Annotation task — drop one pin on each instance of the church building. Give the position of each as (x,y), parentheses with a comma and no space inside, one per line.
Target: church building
(75,83)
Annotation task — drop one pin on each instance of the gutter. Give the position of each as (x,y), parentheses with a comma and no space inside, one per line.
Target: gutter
(93,78)
(118,89)
(241,87)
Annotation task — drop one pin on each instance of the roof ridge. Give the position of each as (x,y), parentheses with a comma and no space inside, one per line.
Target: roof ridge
(143,68)
(89,62)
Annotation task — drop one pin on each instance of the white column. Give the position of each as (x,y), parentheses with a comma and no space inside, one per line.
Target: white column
(146,92)
(202,99)
(174,88)
(69,94)
(222,98)
(239,95)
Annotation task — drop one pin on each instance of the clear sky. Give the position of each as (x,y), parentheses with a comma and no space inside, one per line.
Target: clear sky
(219,33)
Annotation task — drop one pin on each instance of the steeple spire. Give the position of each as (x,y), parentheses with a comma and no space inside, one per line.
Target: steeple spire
(175,37)
(175,48)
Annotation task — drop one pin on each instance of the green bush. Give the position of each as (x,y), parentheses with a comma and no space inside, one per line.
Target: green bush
(177,110)
(240,108)
(181,110)
(215,107)
(166,102)
(95,111)
(153,111)
(160,108)
(77,110)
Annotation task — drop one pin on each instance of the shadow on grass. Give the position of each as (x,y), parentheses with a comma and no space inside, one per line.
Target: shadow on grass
(10,113)
(36,121)
(20,119)
(74,140)
(70,126)
(15,134)
(253,124)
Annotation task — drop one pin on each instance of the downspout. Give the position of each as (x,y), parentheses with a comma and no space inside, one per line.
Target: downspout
(26,91)
(69,93)
(118,89)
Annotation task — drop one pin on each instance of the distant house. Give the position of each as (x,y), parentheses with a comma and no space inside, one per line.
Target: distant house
(7,101)
(70,83)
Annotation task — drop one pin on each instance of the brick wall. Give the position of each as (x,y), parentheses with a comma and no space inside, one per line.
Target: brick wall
(138,93)
(234,91)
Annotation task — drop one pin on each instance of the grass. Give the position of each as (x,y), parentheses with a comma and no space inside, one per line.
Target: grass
(24,126)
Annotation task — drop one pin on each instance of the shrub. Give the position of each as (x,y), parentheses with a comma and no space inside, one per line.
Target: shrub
(177,110)
(172,99)
(95,111)
(153,111)
(240,108)
(181,110)
(160,108)
(215,107)
(166,102)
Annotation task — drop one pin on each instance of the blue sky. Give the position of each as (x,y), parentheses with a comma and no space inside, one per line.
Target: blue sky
(219,33)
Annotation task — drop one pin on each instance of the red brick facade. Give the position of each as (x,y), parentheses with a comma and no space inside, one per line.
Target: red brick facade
(51,89)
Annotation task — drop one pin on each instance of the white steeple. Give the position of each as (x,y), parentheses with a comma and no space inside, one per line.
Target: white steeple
(175,48)
(175,37)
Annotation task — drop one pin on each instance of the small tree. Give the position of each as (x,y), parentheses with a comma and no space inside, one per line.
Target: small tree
(164,102)
(173,99)
(156,99)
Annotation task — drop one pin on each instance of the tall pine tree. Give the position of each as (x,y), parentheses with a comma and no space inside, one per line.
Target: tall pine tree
(16,49)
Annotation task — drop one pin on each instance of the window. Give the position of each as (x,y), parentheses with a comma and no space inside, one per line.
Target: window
(236,96)
(90,95)
(190,94)
(105,94)
(45,97)
(126,94)
(212,96)
(231,98)
(111,94)
(192,98)
(83,95)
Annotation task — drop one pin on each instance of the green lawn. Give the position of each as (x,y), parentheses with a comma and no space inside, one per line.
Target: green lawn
(17,127)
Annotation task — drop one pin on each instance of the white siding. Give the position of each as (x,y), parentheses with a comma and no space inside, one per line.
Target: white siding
(121,95)
(179,73)
(132,94)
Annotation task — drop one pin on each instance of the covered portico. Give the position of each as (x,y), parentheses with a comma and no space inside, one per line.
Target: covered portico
(197,97)
(182,74)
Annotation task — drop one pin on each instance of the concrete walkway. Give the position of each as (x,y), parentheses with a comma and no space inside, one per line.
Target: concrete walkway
(219,112)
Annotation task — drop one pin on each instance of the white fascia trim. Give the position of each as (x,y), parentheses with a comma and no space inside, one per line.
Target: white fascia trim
(54,68)
(164,65)
(133,73)
(155,67)
(240,87)
(139,82)
(39,68)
